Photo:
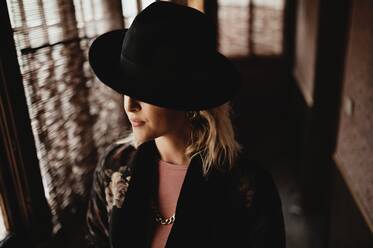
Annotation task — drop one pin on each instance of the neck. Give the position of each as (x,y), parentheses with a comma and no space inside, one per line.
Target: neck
(172,148)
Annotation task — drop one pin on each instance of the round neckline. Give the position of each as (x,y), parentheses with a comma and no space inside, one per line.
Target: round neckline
(172,165)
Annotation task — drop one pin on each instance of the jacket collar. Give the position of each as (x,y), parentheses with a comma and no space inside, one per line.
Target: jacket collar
(132,224)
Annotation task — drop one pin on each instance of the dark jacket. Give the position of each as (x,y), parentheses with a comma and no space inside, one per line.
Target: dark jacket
(227,208)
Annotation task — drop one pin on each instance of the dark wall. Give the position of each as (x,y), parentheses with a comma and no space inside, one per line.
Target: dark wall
(354,154)
(327,40)
(264,111)
(348,229)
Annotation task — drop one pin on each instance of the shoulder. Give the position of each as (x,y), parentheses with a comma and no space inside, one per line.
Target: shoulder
(255,183)
(117,154)
(116,157)
(113,169)
(262,204)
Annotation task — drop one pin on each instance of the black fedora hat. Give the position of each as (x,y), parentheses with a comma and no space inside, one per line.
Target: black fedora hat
(167,57)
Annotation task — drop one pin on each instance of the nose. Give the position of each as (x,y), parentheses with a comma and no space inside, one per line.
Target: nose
(131,105)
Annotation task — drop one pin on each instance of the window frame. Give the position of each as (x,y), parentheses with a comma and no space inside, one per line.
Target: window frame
(26,208)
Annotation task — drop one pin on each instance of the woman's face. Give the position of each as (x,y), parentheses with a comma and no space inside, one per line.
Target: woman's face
(149,121)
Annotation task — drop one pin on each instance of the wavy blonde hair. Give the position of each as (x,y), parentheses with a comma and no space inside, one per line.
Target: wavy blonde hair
(212,136)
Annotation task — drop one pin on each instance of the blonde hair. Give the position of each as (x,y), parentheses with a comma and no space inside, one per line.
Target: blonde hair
(212,136)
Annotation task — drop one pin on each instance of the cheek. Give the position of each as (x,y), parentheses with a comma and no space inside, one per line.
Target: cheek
(159,123)
(170,121)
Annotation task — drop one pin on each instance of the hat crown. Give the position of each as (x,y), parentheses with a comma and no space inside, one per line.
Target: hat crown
(168,30)
(167,57)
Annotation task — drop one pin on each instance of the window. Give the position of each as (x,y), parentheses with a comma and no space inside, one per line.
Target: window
(67,107)
(250,27)
(130,8)
(246,27)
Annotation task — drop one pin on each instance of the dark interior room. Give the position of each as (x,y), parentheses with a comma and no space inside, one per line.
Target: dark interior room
(304,112)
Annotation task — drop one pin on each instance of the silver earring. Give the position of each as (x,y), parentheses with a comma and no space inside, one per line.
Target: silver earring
(192,115)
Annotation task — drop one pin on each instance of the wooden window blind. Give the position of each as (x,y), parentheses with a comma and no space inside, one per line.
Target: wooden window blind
(131,8)
(250,27)
(73,116)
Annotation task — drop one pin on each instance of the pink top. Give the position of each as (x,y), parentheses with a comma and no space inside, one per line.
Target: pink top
(171,177)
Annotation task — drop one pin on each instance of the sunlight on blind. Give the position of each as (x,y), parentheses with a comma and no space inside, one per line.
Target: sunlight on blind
(146,3)
(250,27)
(3,228)
(131,8)
(244,3)
(3,231)
(73,117)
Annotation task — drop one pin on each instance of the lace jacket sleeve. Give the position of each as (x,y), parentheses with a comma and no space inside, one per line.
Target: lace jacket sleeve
(99,204)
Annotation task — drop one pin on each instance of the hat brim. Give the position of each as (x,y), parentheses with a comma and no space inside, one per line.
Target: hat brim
(201,87)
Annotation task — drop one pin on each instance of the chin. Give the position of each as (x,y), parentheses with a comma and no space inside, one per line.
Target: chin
(141,138)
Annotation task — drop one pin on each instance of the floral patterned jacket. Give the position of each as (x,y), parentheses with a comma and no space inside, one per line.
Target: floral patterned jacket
(226,208)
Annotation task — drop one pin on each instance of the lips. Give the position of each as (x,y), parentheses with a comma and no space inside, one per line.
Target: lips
(137,122)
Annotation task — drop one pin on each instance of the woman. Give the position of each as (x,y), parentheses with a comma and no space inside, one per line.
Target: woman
(179,179)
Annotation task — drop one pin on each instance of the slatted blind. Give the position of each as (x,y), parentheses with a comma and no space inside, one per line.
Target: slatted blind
(73,116)
(131,8)
(250,27)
